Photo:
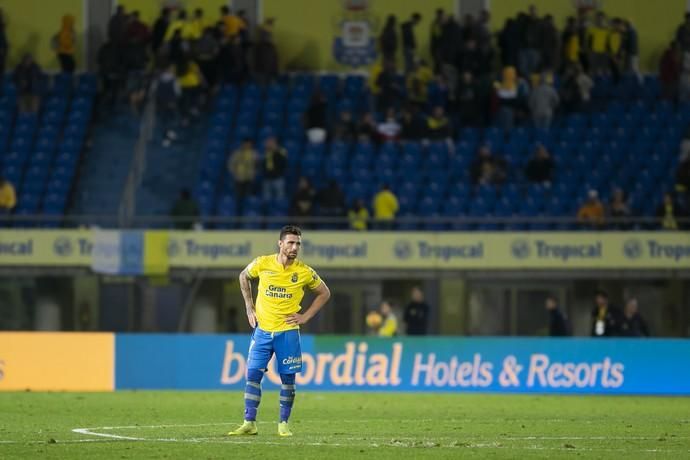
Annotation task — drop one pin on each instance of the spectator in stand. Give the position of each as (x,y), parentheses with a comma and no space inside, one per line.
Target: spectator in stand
(418,83)
(315,120)
(668,213)
(436,43)
(508,97)
(242,167)
(543,101)
(358,216)
(185,212)
(471,60)
(413,126)
(388,41)
(160,27)
(331,201)
(266,53)
(409,43)
(180,25)
(632,50)
(176,48)
(484,33)
(27,79)
(8,197)
(233,23)
(606,318)
(4,45)
(540,167)
(597,46)
(619,210)
(469,29)
(117,27)
(345,129)
(616,48)
(303,202)
(633,325)
(529,55)
(669,71)
(438,125)
(451,41)
(487,168)
(385,208)
(509,42)
(231,60)
(559,325)
(138,36)
(550,45)
(683,34)
(571,44)
(591,213)
(111,71)
(367,129)
(275,167)
(576,89)
(207,49)
(468,100)
(389,89)
(197,25)
(389,130)
(416,315)
(389,325)
(64,44)
(191,82)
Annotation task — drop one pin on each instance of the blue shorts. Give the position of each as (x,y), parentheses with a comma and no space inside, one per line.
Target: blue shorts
(286,346)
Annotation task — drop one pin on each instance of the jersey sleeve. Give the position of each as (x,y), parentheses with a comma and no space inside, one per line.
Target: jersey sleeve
(314,279)
(254,268)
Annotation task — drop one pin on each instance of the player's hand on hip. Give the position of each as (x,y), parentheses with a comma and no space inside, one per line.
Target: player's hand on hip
(296,319)
(251,316)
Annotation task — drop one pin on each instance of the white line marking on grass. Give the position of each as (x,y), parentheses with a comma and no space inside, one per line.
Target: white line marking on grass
(87,431)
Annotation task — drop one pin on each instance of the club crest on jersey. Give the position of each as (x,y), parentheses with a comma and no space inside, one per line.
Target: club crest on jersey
(294,278)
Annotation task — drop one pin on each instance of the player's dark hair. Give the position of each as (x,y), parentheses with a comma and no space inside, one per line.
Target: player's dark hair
(290,230)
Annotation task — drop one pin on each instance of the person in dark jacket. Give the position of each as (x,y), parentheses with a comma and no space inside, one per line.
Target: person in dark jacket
(275,166)
(185,212)
(409,43)
(417,313)
(633,324)
(331,201)
(388,41)
(436,41)
(160,27)
(540,167)
(606,318)
(559,326)
(266,53)
(27,78)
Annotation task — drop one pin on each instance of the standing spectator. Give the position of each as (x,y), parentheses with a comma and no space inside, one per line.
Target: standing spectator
(591,213)
(138,36)
(632,50)
(185,212)
(266,53)
(507,95)
(487,169)
(331,201)
(551,46)
(231,61)
(345,129)
(207,49)
(8,197)
(275,166)
(64,44)
(484,32)
(167,103)
(160,28)
(616,48)
(389,130)
(558,321)
(597,41)
(571,44)
(389,89)
(389,325)
(27,79)
(529,55)
(509,42)
(418,83)
(233,23)
(4,45)
(191,82)
(409,43)
(388,41)
(540,167)
(438,125)
(683,34)
(449,52)
(436,41)
(316,118)
(633,324)
(302,202)
(385,208)
(117,27)
(196,25)
(367,129)
(669,71)
(358,216)
(543,101)
(576,89)
(242,166)
(668,213)
(468,100)
(471,60)
(619,209)
(416,315)
(469,29)
(111,70)
(606,318)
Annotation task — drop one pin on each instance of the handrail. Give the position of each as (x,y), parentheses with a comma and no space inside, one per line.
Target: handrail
(137,168)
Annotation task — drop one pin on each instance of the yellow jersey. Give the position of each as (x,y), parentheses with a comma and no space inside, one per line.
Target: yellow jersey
(280,290)
(385,205)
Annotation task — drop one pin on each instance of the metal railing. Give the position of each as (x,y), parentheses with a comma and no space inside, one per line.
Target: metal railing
(137,168)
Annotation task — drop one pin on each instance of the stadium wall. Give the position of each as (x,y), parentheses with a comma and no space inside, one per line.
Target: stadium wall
(106,362)
(655,22)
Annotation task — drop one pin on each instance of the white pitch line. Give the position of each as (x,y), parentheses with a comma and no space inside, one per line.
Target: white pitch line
(88,432)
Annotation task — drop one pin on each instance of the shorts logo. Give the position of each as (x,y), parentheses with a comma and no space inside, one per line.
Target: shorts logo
(292,360)
(294,278)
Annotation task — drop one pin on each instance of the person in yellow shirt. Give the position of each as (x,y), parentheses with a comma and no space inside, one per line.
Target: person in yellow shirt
(191,80)
(8,198)
(276,319)
(615,46)
(418,83)
(233,23)
(389,325)
(64,44)
(598,41)
(358,216)
(196,26)
(591,213)
(385,207)
(189,28)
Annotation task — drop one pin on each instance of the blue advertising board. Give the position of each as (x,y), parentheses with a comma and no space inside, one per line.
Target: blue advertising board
(515,365)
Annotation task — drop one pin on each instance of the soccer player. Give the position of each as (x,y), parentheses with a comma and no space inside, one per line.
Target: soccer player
(276,320)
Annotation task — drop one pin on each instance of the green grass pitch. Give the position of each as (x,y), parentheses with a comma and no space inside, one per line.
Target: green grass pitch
(133,425)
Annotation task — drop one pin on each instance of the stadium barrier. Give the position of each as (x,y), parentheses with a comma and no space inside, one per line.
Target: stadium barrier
(106,362)
(143,252)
